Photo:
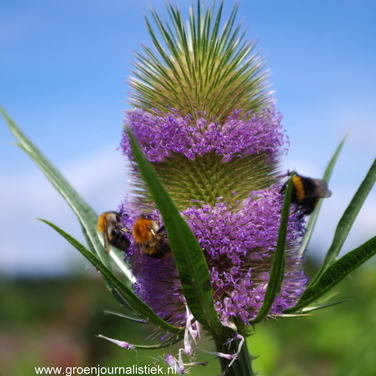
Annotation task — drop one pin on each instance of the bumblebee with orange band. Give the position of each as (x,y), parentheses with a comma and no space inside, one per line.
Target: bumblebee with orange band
(151,237)
(109,224)
(306,193)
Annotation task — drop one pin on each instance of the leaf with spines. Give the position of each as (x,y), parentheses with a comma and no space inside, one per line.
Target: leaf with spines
(199,68)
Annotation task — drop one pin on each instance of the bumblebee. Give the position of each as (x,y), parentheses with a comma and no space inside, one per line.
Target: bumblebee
(110,226)
(151,237)
(306,193)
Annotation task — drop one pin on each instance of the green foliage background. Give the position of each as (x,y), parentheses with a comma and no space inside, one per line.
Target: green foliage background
(55,323)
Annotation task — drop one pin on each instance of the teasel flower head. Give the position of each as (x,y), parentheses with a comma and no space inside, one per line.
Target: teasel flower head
(206,120)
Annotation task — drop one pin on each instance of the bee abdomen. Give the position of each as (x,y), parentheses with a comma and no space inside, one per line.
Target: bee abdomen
(119,239)
(160,250)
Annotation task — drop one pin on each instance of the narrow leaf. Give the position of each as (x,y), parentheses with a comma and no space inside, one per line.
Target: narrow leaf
(316,308)
(293,315)
(134,319)
(335,273)
(188,256)
(84,212)
(86,215)
(347,220)
(132,346)
(312,220)
(132,299)
(278,269)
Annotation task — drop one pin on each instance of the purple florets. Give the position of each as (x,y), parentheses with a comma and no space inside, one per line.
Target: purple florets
(238,238)
(238,246)
(160,135)
(157,280)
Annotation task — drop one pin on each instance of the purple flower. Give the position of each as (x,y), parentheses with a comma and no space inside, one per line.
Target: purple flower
(206,122)
(162,135)
(237,235)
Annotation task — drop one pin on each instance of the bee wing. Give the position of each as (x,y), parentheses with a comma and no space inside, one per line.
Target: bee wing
(321,189)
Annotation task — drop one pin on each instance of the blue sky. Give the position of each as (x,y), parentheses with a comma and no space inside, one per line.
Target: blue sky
(63,78)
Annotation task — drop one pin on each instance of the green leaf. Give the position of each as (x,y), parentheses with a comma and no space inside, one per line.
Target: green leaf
(347,220)
(335,273)
(292,316)
(316,308)
(86,215)
(132,299)
(126,317)
(278,269)
(313,218)
(188,256)
(84,212)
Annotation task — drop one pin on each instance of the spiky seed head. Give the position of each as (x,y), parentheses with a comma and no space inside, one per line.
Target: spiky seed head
(207,124)
(201,69)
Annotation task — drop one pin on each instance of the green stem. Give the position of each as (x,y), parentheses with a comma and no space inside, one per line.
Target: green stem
(242,366)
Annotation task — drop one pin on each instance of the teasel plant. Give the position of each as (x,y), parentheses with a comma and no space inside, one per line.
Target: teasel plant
(205,141)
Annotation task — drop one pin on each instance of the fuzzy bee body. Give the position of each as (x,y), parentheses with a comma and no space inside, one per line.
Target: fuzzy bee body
(306,193)
(109,224)
(151,237)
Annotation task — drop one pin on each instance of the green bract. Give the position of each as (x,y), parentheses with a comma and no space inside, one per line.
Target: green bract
(229,77)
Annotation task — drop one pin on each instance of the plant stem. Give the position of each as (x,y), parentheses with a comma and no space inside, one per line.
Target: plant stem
(242,366)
